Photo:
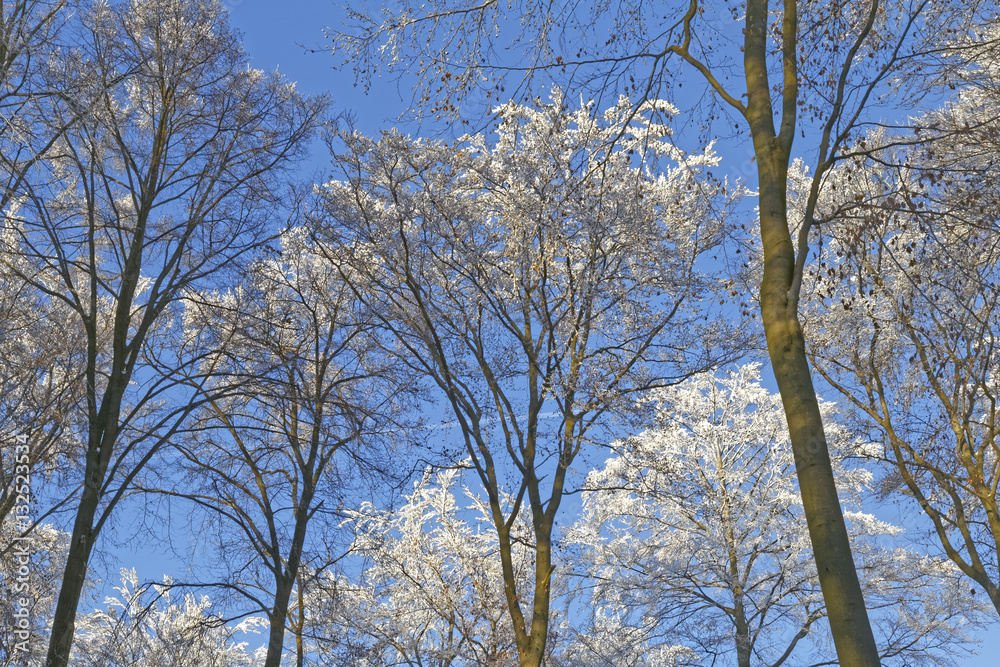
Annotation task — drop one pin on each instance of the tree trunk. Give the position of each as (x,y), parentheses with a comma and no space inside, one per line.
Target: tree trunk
(742,633)
(542,593)
(838,578)
(530,645)
(75,573)
(285,579)
(849,624)
(276,619)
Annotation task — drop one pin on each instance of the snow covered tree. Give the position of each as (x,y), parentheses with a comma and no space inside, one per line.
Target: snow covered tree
(432,593)
(165,176)
(806,72)
(30,569)
(40,370)
(536,279)
(693,535)
(30,35)
(905,314)
(308,404)
(41,388)
(144,627)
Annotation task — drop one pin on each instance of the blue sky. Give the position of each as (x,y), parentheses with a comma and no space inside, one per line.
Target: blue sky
(273,33)
(279,34)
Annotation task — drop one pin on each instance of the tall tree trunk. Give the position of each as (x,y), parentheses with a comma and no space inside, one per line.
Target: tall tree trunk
(849,624)
(542,592)
(276,619)
(838,578)
(285,578)
(530,645)
(742,633)
(81,544)
(74,577)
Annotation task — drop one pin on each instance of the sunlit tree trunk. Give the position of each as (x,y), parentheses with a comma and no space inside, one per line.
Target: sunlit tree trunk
(849,624)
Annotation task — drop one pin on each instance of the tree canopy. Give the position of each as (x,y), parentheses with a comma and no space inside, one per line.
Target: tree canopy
(503,398)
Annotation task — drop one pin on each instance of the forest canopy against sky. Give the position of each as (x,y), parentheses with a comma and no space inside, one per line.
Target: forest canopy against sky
(651,335)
